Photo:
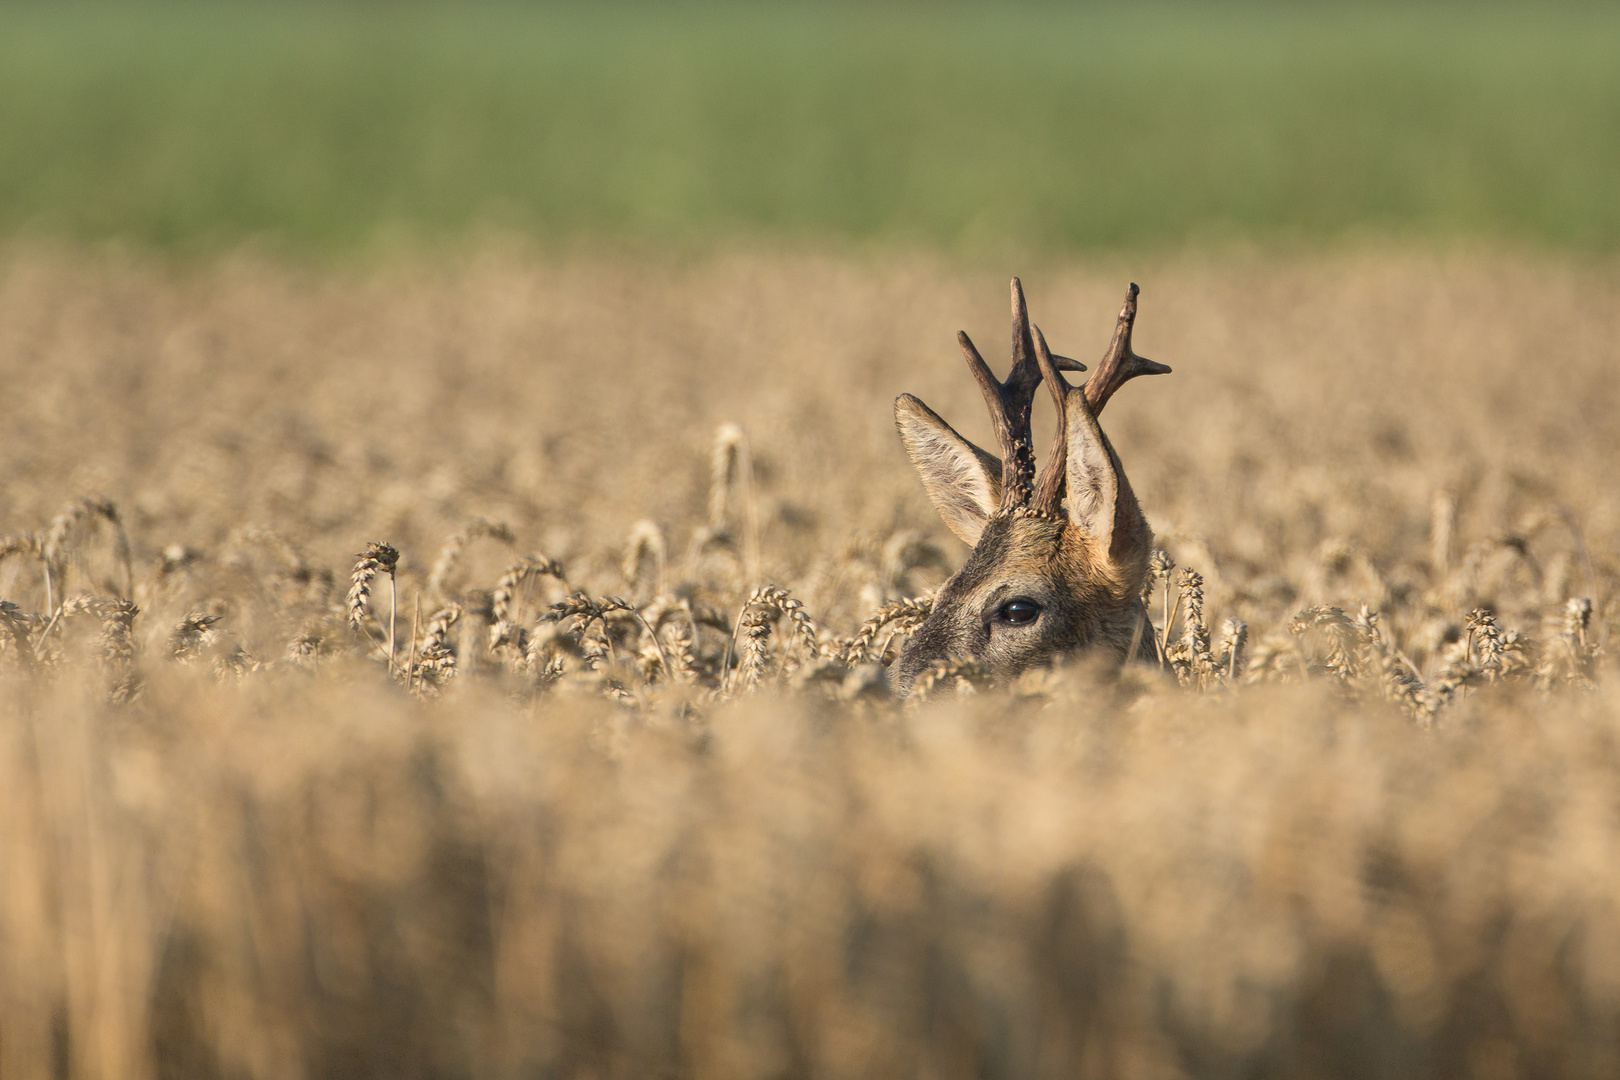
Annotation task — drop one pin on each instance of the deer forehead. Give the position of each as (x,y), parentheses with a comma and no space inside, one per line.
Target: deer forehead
(1020,550)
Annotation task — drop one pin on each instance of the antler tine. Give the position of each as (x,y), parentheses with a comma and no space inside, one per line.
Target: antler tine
(1024,370)
(1011,424)
(1119,364)
(1010,402)
(1049,487)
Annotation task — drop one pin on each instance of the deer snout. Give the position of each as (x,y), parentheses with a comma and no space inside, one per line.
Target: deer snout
(935,640)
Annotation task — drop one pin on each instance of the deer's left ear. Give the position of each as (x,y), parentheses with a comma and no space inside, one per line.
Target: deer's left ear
(1100,500)
(962,481)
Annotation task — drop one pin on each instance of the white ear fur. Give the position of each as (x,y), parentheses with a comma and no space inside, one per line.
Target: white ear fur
(962,481)
(1094,474)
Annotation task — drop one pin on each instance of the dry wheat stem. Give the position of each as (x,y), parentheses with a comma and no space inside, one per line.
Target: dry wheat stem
(410,659)
(393,607)
(1234,640)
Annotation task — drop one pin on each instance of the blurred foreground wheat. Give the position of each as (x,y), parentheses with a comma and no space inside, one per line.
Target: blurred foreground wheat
(480,674)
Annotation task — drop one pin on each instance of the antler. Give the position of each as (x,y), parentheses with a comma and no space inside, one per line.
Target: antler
(1009,402)
(1119,366)
(1048,494)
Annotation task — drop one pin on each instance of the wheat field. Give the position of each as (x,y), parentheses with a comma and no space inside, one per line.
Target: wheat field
(586,767)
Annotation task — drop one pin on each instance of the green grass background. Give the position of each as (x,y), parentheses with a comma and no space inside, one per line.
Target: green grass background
(325,128)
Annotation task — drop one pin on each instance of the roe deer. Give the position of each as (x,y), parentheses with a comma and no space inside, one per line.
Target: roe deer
(1043,579)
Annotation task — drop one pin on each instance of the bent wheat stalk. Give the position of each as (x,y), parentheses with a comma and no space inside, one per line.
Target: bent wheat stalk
(455,547)
(753,624)
(377,558)
(905,615)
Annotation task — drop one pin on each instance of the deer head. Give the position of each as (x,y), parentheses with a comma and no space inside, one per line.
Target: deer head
(1048,575)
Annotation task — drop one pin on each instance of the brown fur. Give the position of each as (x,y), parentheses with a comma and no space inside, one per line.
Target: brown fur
(1086,601)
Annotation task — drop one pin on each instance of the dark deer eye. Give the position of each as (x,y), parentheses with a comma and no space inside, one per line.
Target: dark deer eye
(1019,612)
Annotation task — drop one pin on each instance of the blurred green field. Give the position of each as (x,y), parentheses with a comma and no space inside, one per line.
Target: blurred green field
(332,128)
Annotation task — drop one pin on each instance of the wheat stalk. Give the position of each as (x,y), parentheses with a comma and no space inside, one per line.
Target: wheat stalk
(1191,658)
(753,640)
(967,676)
(1575,654)
(753,632)
(1486,635)
(17,624)
(731,478)
(33,544)
(117,648)
(905,615)
(55,546)
(646,542)
(503,628)
(236,661)
(377,558)
(455,546)
(305,648)
(619,603)
(804,627)
(1159,566)
(587,612)
(191,635)
(1234,640)
(436,659)
(683,642)
(1342,634)
(1360,653)
(22,544)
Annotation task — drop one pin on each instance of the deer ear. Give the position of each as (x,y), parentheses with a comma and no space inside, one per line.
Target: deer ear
(962,481)
(1100,500)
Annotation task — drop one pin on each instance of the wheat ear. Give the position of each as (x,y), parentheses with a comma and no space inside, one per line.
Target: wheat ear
(1234,643)
(646,541)
(905,615)
(968,676)
(377,558)
(436,659)
(732,478)
(191,635)
(17,625)
(68,522)
(804,627)
(455,546)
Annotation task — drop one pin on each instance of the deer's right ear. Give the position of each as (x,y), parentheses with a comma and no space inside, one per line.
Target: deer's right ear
(962,481)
